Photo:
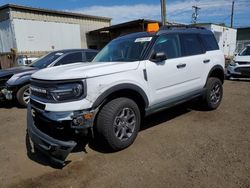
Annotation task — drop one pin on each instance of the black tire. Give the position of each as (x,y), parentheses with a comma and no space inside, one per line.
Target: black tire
(22,95)
(213,94)
(113,128)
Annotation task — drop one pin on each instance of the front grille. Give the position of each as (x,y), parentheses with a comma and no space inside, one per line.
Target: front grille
(40,86)
(42,90)
(40,95)
(243,63)
(243,70)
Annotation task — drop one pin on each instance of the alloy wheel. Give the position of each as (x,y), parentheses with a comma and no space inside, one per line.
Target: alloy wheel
(124,124)
(26,95)
(215,94)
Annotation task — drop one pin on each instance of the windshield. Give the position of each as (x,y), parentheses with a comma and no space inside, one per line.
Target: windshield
(245,52)
(123,50)
(46,60)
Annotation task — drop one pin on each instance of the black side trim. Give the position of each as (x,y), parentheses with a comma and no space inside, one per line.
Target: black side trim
(145,74)
(133,87)
(173,102)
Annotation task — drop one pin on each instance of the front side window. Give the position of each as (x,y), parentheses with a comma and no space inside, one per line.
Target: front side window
(123,50)
(70,58)
(191,44)
(245,52)
(169,44)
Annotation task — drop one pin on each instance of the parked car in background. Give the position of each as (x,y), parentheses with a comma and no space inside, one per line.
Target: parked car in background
(24,60)
(14,82)
(240,65)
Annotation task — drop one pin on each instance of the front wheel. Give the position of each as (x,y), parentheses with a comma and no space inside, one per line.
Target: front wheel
(118,123)
(213,95)
(23,95)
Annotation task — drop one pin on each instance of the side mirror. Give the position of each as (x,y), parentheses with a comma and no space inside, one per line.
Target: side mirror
(158,57)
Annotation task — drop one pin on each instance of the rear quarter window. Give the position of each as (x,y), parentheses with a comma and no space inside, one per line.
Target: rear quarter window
(209,42)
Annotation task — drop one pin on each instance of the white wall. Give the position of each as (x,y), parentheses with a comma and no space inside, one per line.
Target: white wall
(7,38)
(45,36)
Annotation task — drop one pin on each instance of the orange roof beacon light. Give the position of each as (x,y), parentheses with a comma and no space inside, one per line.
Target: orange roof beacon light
(153,27)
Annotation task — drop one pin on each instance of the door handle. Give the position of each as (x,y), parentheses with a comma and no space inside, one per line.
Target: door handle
(181,66)
(206,61)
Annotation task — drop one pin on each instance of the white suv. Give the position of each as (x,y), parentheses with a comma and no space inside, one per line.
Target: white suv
(132,77)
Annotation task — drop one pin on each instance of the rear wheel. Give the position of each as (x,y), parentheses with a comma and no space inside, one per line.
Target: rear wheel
(118,123)
(23,95)
(213,95)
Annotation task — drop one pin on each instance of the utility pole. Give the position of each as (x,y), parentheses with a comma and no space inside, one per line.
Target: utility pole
(232,15)
(195,14)
(163,12)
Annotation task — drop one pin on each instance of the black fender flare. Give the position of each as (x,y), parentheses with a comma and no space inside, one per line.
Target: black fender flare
(116,88)
(216,67)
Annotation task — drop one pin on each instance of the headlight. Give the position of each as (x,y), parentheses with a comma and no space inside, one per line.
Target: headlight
(233,63)
(65,92)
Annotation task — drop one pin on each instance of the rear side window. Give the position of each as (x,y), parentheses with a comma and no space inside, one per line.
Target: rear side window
(70,58)
(191,45)
(209,42)
(90,56)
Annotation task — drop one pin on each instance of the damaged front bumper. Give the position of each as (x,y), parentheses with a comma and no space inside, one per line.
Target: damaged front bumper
(56,149)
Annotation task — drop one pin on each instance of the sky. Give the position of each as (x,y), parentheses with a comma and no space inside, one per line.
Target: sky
(180,11)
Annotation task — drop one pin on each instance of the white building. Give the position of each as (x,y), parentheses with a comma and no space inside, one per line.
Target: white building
(30,30)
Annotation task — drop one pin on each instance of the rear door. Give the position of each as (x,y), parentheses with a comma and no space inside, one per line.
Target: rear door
(195,60)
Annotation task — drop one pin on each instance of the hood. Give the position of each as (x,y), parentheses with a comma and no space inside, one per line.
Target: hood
(84,70)
(242,58)
(16,70)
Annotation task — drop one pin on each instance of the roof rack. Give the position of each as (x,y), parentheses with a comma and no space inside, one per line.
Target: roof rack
(180,26)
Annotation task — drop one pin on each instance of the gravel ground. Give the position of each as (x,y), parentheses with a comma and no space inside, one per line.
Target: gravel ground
(180,147)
